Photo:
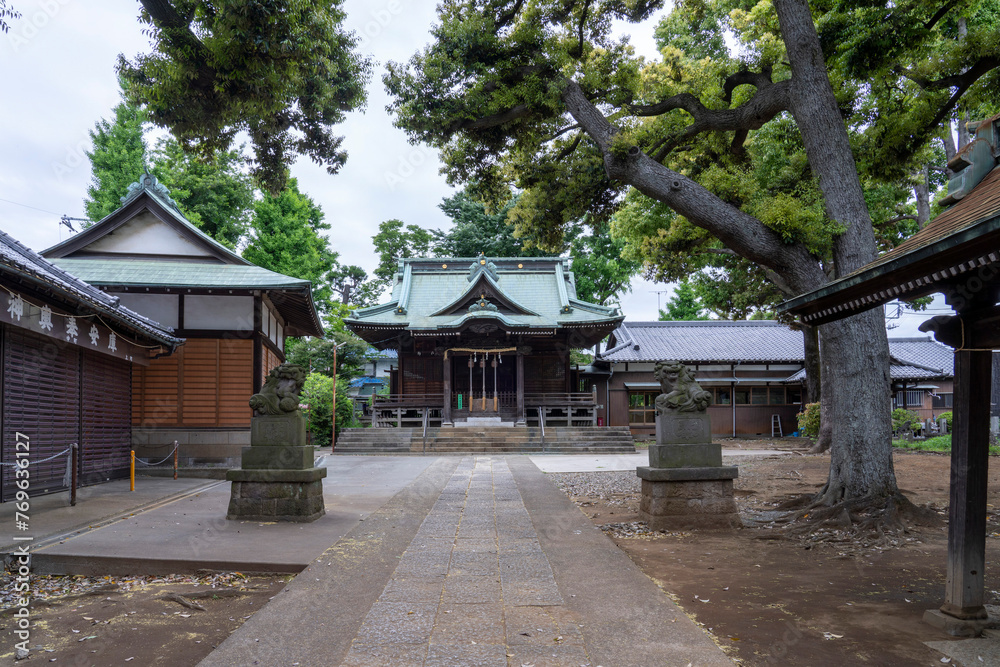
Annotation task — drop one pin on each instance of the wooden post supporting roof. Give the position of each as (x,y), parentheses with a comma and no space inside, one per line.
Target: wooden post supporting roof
(970,446)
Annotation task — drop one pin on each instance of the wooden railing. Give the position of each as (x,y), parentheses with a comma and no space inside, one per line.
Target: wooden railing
(407,410)
(427,410)
(572,409)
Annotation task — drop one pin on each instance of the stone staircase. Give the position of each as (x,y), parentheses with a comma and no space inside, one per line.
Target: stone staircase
(487,440)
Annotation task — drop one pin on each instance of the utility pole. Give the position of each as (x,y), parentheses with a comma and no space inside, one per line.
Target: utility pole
(333,402)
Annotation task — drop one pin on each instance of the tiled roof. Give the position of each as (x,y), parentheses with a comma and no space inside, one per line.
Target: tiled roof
(980,204)
(758,341)
(523,293)
(708,341)
(149,272)
(18,259)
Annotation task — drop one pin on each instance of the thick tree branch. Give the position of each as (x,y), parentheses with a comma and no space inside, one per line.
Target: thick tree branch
(791,266)
(566,152)
(940,13)
(770,100)
(961,81)
(486,122)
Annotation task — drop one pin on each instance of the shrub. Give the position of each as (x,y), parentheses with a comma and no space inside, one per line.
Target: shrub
(946,415)
(809,420)
(902,417)
(318,395)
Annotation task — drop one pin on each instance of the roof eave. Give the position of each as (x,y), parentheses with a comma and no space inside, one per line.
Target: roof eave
(833,295)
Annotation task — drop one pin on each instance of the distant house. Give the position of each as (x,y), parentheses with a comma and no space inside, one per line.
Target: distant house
(377,372)
(69,352)
(235,316)
(754,370)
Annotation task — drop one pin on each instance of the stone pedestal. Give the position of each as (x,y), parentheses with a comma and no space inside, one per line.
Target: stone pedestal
(685,485)
(686,498)
(277,480)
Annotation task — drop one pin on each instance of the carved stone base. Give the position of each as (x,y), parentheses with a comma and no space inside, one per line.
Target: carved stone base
(687,498)
(276,495)
(683,428)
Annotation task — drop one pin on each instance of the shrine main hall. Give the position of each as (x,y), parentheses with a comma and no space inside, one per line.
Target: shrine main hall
(484,341)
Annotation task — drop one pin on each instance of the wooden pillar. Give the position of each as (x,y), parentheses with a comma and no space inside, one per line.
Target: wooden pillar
(520,388)
(446,413)
(964,587)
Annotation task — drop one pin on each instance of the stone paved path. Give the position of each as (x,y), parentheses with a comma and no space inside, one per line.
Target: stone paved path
(473,588)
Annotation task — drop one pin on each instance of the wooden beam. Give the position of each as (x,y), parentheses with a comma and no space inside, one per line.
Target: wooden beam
(964,587)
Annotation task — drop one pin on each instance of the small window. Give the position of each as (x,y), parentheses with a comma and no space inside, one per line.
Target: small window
(742,396)
(942,400)
(776,396)
(722,397)
(794,394)
(758,395)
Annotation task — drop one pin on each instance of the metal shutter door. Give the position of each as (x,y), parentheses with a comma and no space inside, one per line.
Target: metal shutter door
(107,418)
(41,389)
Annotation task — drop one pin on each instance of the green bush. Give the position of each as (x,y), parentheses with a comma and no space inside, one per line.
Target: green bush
(946,415)
(901,417)
(809,420)
(318,395)
(939,443)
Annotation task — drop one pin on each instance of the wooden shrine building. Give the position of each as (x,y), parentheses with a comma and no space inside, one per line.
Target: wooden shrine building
(956,254)
(484,339)
(69,352)
(234,315)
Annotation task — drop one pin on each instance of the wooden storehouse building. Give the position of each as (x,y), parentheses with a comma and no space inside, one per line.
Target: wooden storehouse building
(69,352)
(484,339)
(754,370)
(234,315)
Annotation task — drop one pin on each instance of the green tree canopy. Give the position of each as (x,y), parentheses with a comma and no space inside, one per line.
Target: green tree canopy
(602,270)
(475,230)
(683,305)
(285,237)
(283,71)
(396,240)
(118,159)
(213,191)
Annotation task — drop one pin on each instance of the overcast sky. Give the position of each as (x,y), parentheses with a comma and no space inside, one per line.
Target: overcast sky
(58,78)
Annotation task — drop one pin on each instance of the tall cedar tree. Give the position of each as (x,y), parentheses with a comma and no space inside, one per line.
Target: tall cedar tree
(285,237)
(543,92)
(117,159)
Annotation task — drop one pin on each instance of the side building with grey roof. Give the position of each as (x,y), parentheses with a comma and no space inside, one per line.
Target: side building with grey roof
(234,315)
(67,355)
(754,370)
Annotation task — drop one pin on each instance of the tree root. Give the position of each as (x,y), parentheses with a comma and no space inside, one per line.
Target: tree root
(867,516)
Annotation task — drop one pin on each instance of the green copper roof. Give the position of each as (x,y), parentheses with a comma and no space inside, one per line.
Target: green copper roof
(519,294)
(176,274)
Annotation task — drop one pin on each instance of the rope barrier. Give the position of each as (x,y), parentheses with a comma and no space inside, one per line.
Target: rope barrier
(169,456)
(54,456)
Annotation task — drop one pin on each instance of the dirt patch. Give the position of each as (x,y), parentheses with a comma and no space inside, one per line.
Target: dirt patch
(824,600)
(174,620)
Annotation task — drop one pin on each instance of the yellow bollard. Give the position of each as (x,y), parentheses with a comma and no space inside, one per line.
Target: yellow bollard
(131,473)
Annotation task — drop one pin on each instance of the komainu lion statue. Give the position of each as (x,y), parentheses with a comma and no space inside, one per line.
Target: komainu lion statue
(280,393)
(680,391)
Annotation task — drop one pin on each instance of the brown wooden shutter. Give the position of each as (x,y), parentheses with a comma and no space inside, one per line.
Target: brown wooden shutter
(107,409)
(41,388)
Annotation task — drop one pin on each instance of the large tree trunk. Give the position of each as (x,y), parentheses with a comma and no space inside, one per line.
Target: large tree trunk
(922,192)
(861,455)
(811,391)
(813,388)
(855,350)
